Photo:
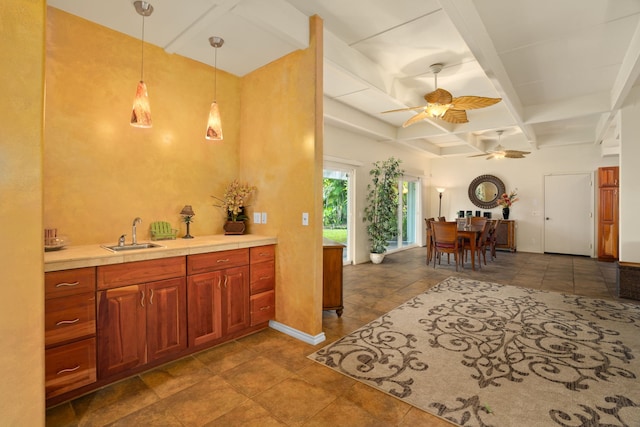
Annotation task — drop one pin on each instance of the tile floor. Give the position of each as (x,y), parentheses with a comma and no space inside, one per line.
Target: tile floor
(266,380)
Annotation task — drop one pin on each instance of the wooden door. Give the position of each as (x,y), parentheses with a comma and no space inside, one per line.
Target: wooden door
(568,206)
(608,223)
(204,307)
(236,299)
(121,330)
(166,303)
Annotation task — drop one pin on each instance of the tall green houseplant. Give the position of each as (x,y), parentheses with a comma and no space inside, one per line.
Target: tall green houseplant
(381,210)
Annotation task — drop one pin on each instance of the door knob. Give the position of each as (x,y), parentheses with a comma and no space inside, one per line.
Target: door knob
(547,218)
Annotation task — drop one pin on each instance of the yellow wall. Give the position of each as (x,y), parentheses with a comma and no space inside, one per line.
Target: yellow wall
(100,173)
(21,287)
(282,155)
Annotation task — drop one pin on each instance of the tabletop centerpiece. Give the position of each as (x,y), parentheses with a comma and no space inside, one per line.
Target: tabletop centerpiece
(233,203)
(506,200)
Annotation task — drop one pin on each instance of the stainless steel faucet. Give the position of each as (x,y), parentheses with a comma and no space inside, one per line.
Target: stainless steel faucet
(134,239)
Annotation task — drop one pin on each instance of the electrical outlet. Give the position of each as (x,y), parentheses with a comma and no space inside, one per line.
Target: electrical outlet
(257,218)
(305,218)
(264,217)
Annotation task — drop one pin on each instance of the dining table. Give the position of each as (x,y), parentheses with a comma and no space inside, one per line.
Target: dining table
(470,232)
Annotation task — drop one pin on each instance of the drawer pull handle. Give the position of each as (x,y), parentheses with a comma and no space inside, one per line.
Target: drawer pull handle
(151,298)
(63,284)
(265,277)
(64,371)
(68,322)
(223,260)
(142,298)
(225,281)
(264,253)
(265,308)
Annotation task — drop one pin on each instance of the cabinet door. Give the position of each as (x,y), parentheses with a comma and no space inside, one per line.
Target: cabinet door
(121,330)
(608,224)
(236,299)
(204,307)
(166,303)
(608,177)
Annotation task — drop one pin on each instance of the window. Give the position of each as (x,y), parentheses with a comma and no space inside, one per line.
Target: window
(408,214)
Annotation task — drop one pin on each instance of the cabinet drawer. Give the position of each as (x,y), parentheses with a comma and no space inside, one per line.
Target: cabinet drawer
(69,318)
(70,366)
(132,273)
(69,282)
(262,253)
(203,263)
(263,307)
(262,277)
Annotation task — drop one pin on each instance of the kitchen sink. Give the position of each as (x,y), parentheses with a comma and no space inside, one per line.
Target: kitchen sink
(131,247)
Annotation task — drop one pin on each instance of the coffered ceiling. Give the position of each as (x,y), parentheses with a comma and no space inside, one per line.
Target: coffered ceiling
(562,68)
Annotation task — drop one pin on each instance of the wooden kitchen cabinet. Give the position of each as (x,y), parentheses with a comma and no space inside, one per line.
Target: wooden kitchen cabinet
(608,180)
(70,329)
(143,322)
(332,276)
(263,280)
(218,295)
(506,235)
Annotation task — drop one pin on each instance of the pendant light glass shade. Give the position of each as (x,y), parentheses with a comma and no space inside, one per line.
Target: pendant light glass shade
(214,124)
(141,111)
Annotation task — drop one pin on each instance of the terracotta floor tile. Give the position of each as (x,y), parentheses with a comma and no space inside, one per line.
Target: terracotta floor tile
(255,376)
(278,399)
(204,401)
(249,414)
(226,356)
(342,412)
(175,376)
(380,405)
(156,414)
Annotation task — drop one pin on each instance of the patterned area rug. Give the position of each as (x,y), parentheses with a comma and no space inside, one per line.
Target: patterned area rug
(484,354)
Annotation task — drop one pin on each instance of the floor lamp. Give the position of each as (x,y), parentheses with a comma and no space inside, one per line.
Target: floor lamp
(440,191)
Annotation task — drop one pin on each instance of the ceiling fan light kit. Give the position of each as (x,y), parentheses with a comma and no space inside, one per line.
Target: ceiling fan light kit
(443,106)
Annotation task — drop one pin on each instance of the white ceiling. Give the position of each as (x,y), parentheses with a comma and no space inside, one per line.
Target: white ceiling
(562,68)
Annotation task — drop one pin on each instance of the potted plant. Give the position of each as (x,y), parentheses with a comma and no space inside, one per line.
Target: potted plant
(381,210)
(506,200)
(232,203)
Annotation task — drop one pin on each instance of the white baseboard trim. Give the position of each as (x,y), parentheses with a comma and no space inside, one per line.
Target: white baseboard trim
(302,336)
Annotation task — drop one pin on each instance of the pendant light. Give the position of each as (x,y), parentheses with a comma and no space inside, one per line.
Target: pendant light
(214,125)
(141,111)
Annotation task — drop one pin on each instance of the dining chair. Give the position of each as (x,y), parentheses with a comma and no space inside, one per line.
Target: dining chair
(480,245)
(442,218)
(478,220)
(445,238)
(428,222)
(492,238)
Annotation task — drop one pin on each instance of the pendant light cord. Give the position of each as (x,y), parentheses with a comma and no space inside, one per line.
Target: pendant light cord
(215,76)
(142,52)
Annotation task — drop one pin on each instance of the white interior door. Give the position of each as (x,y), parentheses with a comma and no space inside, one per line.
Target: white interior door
(568,207)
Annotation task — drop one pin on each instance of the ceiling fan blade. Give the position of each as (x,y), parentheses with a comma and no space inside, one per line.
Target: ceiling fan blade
(514,154)
(480,155)
(404,109)
(473,102)
(455,116)
(439,96)
(418,117)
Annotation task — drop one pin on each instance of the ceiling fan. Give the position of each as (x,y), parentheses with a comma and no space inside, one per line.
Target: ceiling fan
(500,152)
(442,105)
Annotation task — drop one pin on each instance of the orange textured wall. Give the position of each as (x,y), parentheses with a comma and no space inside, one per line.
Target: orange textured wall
(100,172)
(281,140)
(21,288)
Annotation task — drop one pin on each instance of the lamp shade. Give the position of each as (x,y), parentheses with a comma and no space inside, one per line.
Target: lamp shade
(440,190)
(141,112)
(187,210)
(214,125)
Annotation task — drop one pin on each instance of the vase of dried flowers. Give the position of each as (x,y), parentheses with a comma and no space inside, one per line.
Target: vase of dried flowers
(233,202)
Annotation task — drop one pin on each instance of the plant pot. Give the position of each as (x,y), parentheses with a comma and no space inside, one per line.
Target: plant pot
(234,227)
(376,258)
(505,213)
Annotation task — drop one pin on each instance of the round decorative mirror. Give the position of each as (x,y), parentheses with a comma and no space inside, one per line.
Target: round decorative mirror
(485,190)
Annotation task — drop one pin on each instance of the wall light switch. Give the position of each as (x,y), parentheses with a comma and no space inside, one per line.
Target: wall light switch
(257,217)
(305,218)
(264,217)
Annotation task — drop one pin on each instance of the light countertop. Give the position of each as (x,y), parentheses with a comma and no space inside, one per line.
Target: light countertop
(94,255)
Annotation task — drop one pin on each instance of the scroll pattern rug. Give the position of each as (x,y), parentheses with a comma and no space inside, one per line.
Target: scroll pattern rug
(484,354)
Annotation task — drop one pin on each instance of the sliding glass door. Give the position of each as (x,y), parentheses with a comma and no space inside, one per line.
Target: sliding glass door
(407,224)
(337,208)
